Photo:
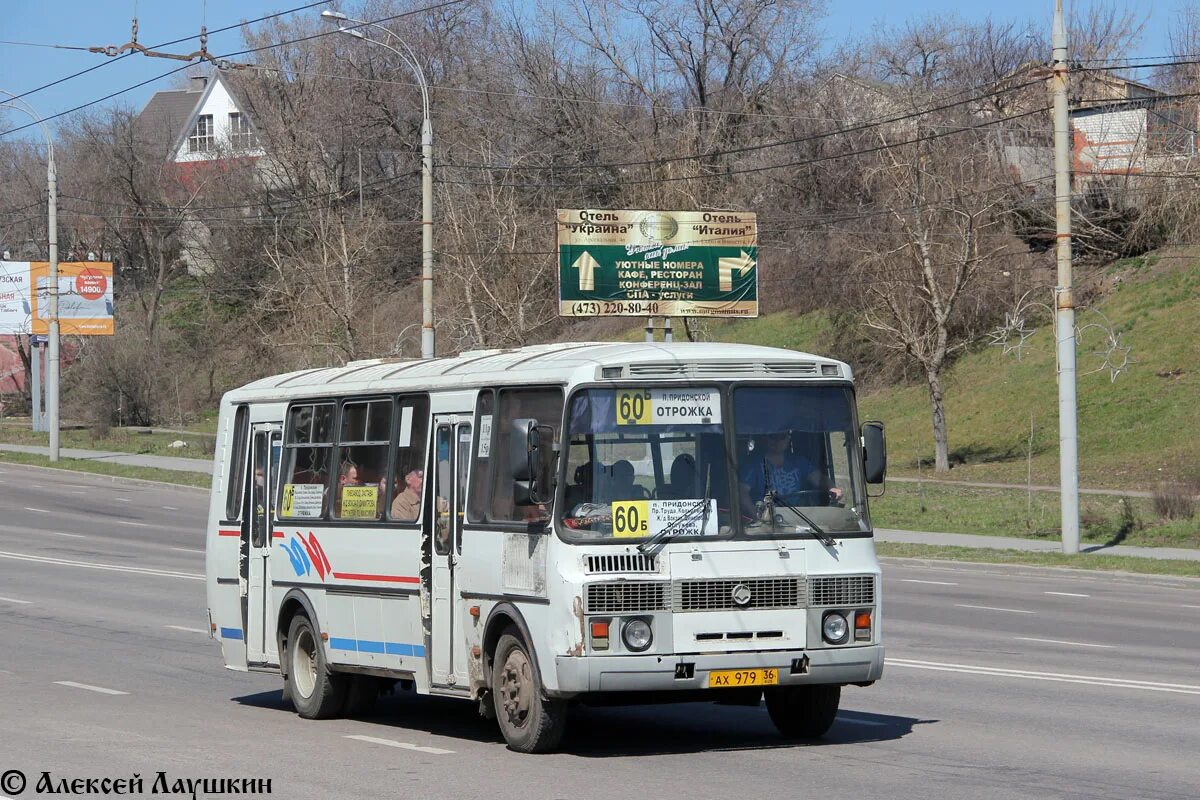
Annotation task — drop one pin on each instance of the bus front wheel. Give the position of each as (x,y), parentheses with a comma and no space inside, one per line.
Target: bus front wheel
(803,712)
(315,692)
(530,721)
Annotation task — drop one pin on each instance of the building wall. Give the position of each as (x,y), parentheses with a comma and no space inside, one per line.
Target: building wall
(220,105)
(1110,141)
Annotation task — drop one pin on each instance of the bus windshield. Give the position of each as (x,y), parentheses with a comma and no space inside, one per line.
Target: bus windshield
(646,462)
(797,460)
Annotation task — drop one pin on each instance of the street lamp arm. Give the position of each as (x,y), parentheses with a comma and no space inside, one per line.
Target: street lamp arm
(407,56)
(17,104)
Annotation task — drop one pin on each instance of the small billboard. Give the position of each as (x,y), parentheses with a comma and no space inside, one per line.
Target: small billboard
(85,297)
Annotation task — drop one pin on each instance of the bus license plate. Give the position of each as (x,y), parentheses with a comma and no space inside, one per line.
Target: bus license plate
(732,678)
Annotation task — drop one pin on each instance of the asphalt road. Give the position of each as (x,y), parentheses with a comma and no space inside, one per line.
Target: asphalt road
(1000,683)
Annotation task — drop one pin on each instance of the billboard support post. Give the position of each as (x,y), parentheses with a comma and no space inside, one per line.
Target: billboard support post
(35,395)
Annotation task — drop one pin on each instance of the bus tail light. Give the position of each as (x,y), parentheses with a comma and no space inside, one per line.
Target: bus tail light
(600,634)
(862,626)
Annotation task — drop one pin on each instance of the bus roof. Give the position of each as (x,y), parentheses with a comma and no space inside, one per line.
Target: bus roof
(561,363)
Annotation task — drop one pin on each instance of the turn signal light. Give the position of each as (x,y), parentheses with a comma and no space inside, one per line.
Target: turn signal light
(862,626)
(600,634)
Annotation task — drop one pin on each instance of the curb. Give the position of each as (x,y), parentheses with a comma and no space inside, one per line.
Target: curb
(103,476)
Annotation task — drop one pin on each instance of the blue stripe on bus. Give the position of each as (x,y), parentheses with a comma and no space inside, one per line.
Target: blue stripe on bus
(231,633)
(369,646)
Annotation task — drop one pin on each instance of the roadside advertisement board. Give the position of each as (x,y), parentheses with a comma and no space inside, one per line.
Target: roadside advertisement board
(657,263)
(85,297)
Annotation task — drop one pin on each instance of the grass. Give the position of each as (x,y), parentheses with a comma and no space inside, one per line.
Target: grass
(1133,432)
(1007,512)
(1145,566)
(806,332)
(118,440)
(176,477)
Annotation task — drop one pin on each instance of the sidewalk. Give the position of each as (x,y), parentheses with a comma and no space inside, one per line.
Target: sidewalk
(1020,486)
(1030,545)
(176,463)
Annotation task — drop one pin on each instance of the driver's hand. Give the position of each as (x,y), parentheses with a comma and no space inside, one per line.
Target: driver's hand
(837,494)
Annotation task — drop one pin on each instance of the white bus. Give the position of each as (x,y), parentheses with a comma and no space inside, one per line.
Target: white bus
(531,528)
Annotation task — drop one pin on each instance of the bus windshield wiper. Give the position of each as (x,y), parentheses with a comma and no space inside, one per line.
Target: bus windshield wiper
(817,530)
(660,539)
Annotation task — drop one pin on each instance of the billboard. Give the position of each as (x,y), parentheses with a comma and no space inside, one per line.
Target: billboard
(85,297)
(657,263)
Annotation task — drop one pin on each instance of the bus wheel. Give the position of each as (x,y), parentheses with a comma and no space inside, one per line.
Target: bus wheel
(315,692)
(530,721)
(803,712)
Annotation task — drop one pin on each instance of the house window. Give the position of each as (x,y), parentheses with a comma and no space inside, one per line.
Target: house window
(241,135)
(201,139)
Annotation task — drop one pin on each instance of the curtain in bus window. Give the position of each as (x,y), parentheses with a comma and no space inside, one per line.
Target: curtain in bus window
(408,469)
(363,459)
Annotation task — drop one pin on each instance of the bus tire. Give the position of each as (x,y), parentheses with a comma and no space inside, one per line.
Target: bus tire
(803,712)
(530,721)
(316,693)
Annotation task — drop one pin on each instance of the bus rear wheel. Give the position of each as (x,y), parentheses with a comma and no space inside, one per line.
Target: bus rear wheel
(316,693)
(530,721)
(803,712)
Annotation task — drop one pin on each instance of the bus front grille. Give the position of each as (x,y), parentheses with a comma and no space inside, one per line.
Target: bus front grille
(622,562)
(725,594)
(623,597)
(841,590)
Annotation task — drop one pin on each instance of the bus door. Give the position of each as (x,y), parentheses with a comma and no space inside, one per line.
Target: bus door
(452,447)
(261,645)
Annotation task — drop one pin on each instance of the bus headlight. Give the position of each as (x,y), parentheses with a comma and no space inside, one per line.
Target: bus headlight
(636,634)
(834,627)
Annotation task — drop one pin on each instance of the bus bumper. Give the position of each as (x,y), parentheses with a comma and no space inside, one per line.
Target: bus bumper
(579,674)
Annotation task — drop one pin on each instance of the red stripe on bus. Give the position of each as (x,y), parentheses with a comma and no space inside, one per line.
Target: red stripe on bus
(229,533)
(354,576)
(277,535)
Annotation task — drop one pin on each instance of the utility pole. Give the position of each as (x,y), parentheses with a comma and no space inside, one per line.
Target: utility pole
(1064,297)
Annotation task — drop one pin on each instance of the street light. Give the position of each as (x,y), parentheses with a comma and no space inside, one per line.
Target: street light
(52,358)
(409,57)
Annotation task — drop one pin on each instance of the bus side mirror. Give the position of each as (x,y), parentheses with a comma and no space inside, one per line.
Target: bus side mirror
(531,458)
(874,452)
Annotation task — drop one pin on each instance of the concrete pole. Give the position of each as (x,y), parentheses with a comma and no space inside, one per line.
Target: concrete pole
(427,343)
(35,395)
(1068,430)
(52,355)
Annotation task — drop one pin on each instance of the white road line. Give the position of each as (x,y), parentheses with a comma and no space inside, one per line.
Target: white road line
(37,486)
(1059,677)
(134,524)
(1067,594)
(40,510)
(993,608)
(854,721)
(170,508)
(1191,606)
(185,630)
(931,583)
(187,550)
(99,689)
(437,751)
(15,600)
(122,499)
(63,562)
(77,491)
(68,535)
(1060,641)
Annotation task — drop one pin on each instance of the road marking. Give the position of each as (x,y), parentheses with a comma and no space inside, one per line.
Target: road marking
(63,562)
(123,500)
(1067,594)
(15,600)
(68,535)
(77,491)
(134,524)
(437,751)
(99,689)
(1059,677)
(37,486)
(1191,606)
(931,583)
(1060,641)
(854,721)
(187,550)
(185,630)
(170,508)
(993,608)
(39,510)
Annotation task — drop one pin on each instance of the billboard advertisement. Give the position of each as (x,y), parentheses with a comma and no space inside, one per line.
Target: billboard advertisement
(657,263)
(85,297)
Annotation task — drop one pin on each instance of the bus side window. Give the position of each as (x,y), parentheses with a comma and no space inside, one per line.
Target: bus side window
(237,466)
(543,405)
(307,455)
(362,459)
(408,462)
(481,469)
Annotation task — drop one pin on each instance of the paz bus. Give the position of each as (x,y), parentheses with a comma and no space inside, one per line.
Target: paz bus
(532,528)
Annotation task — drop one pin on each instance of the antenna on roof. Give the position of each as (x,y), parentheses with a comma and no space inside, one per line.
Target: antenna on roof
(202,54)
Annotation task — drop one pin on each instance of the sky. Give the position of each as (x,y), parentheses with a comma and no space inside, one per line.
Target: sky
(84,23)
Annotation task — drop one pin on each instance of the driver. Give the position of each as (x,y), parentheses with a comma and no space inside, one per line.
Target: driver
(789,474)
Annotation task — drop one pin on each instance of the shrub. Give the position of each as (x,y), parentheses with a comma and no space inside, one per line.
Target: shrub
(1175,500)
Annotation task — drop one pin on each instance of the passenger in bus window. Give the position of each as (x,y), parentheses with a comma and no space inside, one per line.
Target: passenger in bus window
(347,476)
(407,504)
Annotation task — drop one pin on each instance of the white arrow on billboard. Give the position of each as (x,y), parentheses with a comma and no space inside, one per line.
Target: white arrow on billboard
(726,266)
(587,271)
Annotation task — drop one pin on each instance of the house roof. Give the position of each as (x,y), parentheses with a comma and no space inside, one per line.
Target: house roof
(168,113)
